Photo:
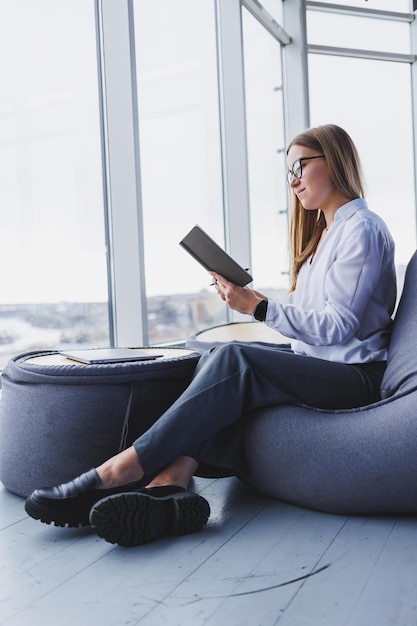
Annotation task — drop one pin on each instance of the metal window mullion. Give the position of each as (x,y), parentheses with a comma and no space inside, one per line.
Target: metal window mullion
(362,54)
(414,105)
(324,7)
(121,163)
(295,70)
(267,21)
(233,133)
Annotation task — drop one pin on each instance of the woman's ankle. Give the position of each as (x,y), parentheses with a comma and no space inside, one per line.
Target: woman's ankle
(122,469)
(178,473)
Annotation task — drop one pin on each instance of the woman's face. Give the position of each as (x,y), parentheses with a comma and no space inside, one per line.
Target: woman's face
(314,189)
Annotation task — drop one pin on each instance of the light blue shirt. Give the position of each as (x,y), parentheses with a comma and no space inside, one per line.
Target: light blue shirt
(345,295)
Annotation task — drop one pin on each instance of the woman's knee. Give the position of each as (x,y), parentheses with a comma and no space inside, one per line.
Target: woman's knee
(229,351)
(226,353)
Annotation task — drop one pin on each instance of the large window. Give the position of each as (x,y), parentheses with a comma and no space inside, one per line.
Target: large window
(187,117)
(180,158)
(364,109)
(372,100)
(53,286)
(266,158)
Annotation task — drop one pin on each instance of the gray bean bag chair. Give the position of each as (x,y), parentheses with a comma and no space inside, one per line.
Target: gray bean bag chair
(358,461)
(59,418)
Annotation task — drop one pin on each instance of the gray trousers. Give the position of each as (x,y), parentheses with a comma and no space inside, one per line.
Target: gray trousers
(232,380)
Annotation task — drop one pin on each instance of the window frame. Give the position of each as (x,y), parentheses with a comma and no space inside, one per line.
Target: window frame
(123,202)
(121,161)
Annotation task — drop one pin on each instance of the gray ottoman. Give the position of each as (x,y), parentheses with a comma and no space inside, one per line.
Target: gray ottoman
(59,418)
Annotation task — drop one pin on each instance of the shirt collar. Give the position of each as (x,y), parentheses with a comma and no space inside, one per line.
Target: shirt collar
(347,210)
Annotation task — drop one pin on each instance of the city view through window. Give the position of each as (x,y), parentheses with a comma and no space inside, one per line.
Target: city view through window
(53,286)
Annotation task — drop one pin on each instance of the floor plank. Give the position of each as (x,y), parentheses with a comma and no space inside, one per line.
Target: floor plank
(259,562)
(256,572)
(331,597)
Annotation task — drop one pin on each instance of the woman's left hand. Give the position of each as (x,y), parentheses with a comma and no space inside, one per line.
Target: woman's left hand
(241,299)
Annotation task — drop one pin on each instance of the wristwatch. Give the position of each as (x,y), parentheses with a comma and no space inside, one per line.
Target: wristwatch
(260,311)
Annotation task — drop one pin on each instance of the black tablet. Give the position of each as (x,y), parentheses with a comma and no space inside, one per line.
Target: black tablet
(213,258)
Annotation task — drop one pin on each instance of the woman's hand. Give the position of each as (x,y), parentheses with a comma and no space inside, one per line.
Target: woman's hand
(241,299)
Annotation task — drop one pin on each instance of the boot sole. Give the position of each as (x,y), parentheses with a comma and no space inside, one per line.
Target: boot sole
(132,519)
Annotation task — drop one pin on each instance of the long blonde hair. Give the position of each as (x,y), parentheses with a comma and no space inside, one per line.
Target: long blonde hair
(345,171)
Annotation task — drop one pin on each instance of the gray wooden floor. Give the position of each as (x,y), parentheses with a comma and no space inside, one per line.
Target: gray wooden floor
(259,562)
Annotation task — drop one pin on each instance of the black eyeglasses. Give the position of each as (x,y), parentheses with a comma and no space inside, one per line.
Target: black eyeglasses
(297,167)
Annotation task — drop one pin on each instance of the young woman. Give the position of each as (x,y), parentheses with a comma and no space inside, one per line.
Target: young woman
(344,285)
